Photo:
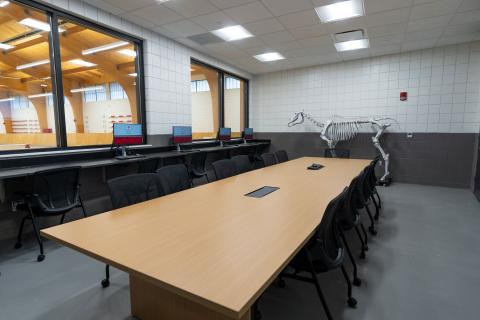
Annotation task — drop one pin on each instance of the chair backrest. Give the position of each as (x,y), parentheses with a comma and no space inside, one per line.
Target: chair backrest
(269,159)
(56,189)
(337,153)
(224,168)
(149,165)
(325,246)
(174,178)
(198,161)
(282,156)
(242,163)
(135,188)
(349,216)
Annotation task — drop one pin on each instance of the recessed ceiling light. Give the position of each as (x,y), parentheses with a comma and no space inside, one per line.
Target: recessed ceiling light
(40,95)
(340,11)
(5,46)
(95,88)
(128,52)
(80,62)
(6,100)
(44,85)
(32,64)
(36,24)
(352,45)
(132,74)
(4,3)
(232,33)
(270,56)
(104,48)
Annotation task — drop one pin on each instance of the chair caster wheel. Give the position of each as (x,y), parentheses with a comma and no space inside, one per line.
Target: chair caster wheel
(372,231)
(281,283)
(362,255)
(357,282)
(40,257)
(257,315)
(352,303)
(105,283)
(18,245)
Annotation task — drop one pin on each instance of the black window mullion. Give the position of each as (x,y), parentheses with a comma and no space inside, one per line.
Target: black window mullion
(140,88)
(57,83)
(221,99)
(246,103)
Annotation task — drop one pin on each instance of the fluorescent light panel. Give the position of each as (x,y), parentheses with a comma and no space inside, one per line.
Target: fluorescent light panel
(270,56)
(83,63)
(340,11)
(4,3)
(232,33)
(35,24)
(40,95)
(352,45)
(99,88)
(6,100)
(5,46)
(132,74)
(104,48)
(32,64)
(128,52)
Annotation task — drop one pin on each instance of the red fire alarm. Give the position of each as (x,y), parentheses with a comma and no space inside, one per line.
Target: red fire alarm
(403,96)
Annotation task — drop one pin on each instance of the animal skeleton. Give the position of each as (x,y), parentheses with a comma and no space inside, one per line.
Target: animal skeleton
(340,129)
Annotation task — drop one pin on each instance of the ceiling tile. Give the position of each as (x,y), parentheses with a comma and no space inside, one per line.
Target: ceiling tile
(355,54)
(299,19)
(468,5)
(309,32)
(137,20)
(290,45)
(460,38)
(423,35)
(383,50)
(224,4)
(372,6)
(388,40)
(258,50)
(264,26)
(248,13)
(214,21)
(466,17)
(128,5)
(417,45)
(185,28)
(189,8)
(281,7)
(248,43)
(388,17)
(277,37)
(105,6)
(461,29)
(434,9)
(429,23)
(386,30)
(157,14)
(319,41)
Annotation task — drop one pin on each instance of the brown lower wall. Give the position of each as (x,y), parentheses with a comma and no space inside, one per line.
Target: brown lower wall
(443,159)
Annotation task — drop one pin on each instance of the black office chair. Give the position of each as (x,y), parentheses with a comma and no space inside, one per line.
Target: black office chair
(242,163)
(129,190)
(197,166)
(55,192)
(337,153)
(268,159)
(363,193)
(372,184)
(322,253)
(282,156)
(149,165)
(224,169)
(174,178)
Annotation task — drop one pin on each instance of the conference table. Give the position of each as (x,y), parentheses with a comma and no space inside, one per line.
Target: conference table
(209,252)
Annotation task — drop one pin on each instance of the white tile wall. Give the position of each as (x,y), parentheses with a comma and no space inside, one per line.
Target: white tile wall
(167,68)
(443,86)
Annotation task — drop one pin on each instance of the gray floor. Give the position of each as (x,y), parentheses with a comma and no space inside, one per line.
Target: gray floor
(424,264)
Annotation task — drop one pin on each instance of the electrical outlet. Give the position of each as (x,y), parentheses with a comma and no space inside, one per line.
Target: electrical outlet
(409,135)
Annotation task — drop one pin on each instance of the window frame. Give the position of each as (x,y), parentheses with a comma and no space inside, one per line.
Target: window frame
(221,92)
(53,15)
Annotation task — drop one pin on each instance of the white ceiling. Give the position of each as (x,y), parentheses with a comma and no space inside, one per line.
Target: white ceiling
(292,27)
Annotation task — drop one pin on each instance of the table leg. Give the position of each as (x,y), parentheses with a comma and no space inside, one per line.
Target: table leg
(150,302)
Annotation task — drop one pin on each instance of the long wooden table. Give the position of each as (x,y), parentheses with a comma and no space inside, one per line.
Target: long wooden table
(208,253)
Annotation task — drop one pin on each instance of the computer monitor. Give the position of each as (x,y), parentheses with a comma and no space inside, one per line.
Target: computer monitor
(225,134)
(127,134)
(248,134)
(182,134)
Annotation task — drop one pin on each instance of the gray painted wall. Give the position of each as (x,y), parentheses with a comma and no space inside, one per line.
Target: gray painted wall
(444,159)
